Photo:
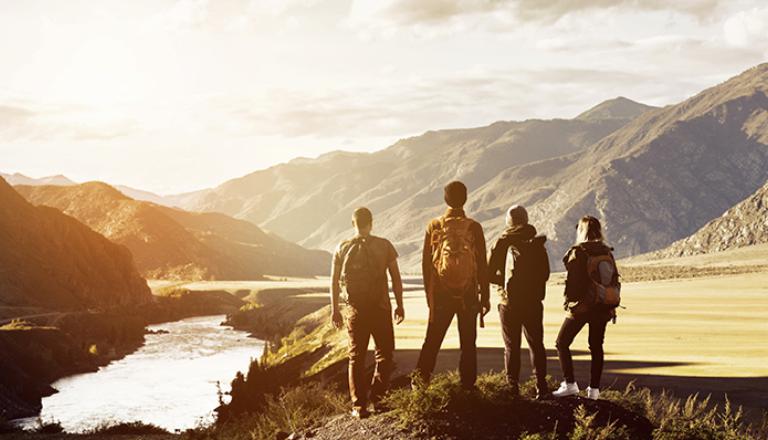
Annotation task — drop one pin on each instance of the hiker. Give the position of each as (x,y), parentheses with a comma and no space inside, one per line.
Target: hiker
(456,282)
(592,293)
(360,266)
(522,293)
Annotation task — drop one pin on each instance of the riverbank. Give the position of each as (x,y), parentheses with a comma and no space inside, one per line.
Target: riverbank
(46,345)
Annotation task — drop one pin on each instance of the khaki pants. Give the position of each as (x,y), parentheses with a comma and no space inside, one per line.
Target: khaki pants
(361,325)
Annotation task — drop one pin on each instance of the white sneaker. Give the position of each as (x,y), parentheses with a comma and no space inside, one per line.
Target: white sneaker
(593,393)
(566,389)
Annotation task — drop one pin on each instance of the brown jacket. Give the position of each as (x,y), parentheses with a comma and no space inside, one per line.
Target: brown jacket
(428,270)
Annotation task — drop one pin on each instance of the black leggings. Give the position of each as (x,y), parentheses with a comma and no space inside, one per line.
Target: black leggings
(570,328)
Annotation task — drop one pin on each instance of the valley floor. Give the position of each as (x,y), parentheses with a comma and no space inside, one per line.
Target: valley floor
(701,335)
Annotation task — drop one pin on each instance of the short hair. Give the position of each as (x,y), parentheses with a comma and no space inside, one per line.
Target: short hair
(362,216)
(589,229)
(455,194)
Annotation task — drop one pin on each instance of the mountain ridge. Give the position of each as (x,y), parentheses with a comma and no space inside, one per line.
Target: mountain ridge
(175,244)
(51,260)
(310,201)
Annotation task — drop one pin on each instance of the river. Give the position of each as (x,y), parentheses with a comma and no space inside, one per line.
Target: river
(171,381)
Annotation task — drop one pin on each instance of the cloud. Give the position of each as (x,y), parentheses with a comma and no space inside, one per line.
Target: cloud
(425,13)
(182,15)
(469,98)
(30,121)
(747,28)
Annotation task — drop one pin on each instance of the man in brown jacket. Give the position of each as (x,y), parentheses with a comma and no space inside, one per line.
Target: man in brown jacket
(456,281)
(360,266)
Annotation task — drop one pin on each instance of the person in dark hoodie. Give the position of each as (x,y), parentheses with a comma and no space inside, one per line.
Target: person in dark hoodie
(522,289)
(582,305)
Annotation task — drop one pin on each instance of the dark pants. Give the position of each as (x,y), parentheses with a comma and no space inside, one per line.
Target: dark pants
(526,317)
(442,318)
(361,325)
(571,327)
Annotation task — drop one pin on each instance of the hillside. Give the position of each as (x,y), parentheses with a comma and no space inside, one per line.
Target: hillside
(175,244)
(657,179)
(745,224)
(310,200)
(51,260)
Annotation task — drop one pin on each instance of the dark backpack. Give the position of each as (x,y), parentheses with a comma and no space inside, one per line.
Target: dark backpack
(357,274)
(529,269)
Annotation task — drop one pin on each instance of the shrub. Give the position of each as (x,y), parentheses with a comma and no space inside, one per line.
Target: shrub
(293,410)
(48,427)
(693,418)
(127,428)
(585,428)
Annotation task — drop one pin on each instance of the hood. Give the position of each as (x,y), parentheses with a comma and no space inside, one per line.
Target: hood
(596,247)
(521,233)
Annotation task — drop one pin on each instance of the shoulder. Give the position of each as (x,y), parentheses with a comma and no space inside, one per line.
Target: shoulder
(380,241)
(342,247)
(434,224)
(474,224)
(574,253)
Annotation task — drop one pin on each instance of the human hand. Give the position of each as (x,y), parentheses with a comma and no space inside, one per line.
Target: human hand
(336,319)
(399,315)
(485,307)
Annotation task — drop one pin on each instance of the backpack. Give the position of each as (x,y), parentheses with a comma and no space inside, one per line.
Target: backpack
(357,275)
(453,253)
(529,268)
(605,287)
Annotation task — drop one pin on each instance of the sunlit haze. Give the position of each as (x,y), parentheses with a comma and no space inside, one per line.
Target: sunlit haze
(171,96)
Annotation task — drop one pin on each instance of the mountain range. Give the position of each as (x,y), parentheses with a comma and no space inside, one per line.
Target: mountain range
(652,175)
(170,243)
(310,200)
(50,260)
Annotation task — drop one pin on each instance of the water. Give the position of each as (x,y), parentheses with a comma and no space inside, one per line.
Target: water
(169,382)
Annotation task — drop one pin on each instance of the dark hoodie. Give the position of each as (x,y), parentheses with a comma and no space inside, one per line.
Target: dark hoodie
(530,272)
(577,282)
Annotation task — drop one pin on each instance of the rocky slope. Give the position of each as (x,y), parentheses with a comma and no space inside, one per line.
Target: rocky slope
(311,200)
(654,181)
(175,244)
(51,260)
(745,224)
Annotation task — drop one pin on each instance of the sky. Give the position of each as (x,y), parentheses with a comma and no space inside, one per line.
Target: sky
(177,95)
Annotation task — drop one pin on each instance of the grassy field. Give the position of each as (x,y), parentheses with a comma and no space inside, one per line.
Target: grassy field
(714,326)
(705,334)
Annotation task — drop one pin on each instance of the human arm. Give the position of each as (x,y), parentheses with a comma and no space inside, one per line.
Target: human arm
(335,290)
(576,276)
(397,289)
(482,269)
(426,262)
(497,263)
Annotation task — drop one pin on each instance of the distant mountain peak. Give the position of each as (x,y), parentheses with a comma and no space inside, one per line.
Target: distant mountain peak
(22,179)
(616,108)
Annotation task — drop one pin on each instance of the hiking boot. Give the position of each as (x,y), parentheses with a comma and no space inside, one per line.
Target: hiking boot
(593,393)
(360,413)
(378,408)
(514,390)
(542,392)
(566,389)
